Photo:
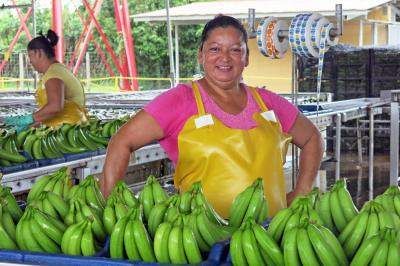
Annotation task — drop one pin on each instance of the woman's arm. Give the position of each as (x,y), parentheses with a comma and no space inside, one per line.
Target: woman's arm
(308,138)
(55,100)
(139,131)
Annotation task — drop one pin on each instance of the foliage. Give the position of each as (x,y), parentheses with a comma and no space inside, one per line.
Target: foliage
(150,40)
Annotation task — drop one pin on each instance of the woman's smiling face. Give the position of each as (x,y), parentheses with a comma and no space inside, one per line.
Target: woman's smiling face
(224,56)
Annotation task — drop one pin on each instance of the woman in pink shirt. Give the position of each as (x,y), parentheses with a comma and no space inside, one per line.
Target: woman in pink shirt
(220,131)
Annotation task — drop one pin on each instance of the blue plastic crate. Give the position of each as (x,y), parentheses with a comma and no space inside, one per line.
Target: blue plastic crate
(11,169)
(28,257)
(101,151)
(218,253)
(77,156)
(11,256)
(57,160)
(30,165)
(43,162)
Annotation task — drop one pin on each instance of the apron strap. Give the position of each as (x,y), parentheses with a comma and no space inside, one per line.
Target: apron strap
(258,99)
(197,96)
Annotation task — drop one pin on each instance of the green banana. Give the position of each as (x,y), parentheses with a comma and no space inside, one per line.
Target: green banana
(334,245)
(352,243)
(6,242)
(175,246)
(393,257)
(109,219)
(143,240)
(290,253)
(366,251)
(278,224)
(268,245)
(8,224)
(381,255)
(346,202)
(305,248)
(321,247)
(250,248)
(156,217)
(190,246)
(47,225)
(239,206)
(147,200)
(256,201)
(131,249)
(88,246)
(159,194)
(45,242)
(337,212)
(236,250)
(324,210)
(161,242)
(117,250)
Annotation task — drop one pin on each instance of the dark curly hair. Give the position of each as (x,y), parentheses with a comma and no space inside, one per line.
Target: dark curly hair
(224,22)
(45,43)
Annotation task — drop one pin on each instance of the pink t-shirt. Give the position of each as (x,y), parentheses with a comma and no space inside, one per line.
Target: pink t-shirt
(174,107)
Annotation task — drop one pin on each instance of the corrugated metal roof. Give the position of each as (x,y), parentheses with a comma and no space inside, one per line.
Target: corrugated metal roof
(204,11)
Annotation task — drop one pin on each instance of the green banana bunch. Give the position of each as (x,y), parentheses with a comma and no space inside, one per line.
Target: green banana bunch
(58,182)
(252,245)
(382,248)
(372,218)
(314,195)
(176,243)
(79,239)
(125,194)
(209,231)
(163,212)
(130,239)
(78,211)
(151,194)
(89,192)
(7,230)
(289,218)
(336,207)
(390,199)
(312,244)
(117,205)
(249,203)
(37,231)
(9,153)
(9,204)
(51,204)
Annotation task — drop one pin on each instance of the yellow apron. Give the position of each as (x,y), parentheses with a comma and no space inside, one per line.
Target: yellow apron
(71,114)
(228,160)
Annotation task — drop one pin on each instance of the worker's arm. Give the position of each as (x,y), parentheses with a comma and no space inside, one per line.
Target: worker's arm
(139,131)
(55,100)
(307,137)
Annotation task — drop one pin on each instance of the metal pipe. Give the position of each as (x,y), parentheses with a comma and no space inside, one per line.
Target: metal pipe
(170,48)
(58,28)
(338,145)
(294,101)
(394,143)
(339,19)
(176,53)
(359,142)
(371,155)
(35,75)
(251,20)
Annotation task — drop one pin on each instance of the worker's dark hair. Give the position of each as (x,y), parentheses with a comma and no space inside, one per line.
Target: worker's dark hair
(45,43)
(224,22)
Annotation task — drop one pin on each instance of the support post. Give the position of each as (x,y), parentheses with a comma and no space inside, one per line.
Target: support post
(374,33)
(176,53)
(57,28)
(338,145)
(21,71)
(170,48)
(361,34)
(394,143)
(371,154)
(87,59)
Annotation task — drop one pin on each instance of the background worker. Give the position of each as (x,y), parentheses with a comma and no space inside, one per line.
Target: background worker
(220,131)
(60,95)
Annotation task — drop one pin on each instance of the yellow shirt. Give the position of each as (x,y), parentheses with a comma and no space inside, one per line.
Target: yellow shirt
(73,89)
